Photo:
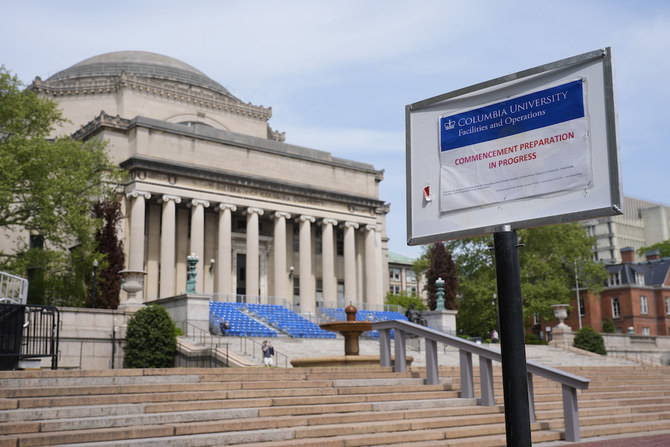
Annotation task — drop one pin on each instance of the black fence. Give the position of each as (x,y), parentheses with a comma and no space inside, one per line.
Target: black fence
(28,332)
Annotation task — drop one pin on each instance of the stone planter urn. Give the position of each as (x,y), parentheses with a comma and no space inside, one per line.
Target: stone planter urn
(561,312)
(133,283)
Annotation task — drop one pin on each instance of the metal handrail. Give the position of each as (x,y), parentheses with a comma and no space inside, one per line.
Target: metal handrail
(13,289)
(570,383)
(206,338)
(258,348)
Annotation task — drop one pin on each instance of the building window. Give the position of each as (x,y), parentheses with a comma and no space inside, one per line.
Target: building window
(296,237)
(319,292)
(639,278)
(582,307)
(614,279)
(536,319)
(644,308)
(340,294)
(411,290)
(667,305)
(395,289)
(394,274)
(410,275)
(646,331)
(296,291)
(616,309)
(318,241)
(240,225)
(339,239)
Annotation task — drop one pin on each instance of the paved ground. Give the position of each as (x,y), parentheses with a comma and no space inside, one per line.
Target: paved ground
(303,348)
(657,440)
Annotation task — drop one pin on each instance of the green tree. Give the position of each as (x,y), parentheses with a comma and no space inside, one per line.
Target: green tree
(547,261)
(108,284)
(441,266)
(403,300)
(151,340)
(662,247)
(47,189)
(477,312)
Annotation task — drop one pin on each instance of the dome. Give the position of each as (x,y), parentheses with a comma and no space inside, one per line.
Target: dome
(138,63)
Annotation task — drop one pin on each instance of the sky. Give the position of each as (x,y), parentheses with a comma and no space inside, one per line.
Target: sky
(338,74)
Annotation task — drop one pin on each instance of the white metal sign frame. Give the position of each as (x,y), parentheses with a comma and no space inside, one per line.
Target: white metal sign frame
(432,177)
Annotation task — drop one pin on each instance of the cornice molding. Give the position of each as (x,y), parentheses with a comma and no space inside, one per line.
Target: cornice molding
(249,182)
(200,96)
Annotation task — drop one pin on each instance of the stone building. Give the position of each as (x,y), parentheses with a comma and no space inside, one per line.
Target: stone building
(269,222)
(402,278)
(642,224)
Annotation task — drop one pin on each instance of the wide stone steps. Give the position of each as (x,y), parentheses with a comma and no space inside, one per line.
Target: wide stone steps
(340,407)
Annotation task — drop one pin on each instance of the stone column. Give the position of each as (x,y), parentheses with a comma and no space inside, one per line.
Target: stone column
(133,276)
(198,240)
(350,262)
(379,264)
(371,280)
(281,280)
(307,298)
(137,214)
(168,238)
(252,265)
(328,261)
(223,282)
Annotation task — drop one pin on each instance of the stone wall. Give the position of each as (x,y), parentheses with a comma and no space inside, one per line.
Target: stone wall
(645,349)
(86,337)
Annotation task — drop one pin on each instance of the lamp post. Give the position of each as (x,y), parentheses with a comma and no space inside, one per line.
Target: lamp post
(579,305)
(95,280)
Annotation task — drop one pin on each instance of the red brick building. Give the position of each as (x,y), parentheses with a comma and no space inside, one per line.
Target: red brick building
(637,295)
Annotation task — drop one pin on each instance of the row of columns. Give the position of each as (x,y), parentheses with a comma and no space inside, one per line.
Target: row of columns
(224,278)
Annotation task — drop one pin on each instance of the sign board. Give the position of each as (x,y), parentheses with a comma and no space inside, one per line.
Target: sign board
(533,148)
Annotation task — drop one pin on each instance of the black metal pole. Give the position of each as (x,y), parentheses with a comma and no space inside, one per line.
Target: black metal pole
(95,280)
(512,348)
(113,345)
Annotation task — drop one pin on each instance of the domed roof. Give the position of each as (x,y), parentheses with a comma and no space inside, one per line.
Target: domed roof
(138,63)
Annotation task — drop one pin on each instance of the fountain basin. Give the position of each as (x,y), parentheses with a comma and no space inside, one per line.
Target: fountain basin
(342,360)
(351,330)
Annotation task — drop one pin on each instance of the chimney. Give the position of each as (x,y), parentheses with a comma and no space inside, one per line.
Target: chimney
(627,255)
(652,255)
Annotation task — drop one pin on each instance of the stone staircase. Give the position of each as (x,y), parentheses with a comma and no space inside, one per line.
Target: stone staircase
(328,407)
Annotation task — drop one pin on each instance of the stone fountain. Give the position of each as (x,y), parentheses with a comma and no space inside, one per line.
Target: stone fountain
(351,329)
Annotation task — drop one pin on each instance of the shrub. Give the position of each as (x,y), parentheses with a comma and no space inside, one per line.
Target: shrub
(151,340)
(533,339)
(588,339)
(608,326)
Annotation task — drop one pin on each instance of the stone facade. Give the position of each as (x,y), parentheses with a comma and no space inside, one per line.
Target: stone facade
(268,221)
(642,224)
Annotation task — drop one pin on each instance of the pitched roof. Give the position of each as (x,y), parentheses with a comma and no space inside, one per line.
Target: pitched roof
(655,272)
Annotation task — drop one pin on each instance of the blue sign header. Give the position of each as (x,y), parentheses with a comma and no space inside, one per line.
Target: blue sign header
(529,112)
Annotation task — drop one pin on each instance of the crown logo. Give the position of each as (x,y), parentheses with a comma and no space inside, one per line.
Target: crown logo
(449,125)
